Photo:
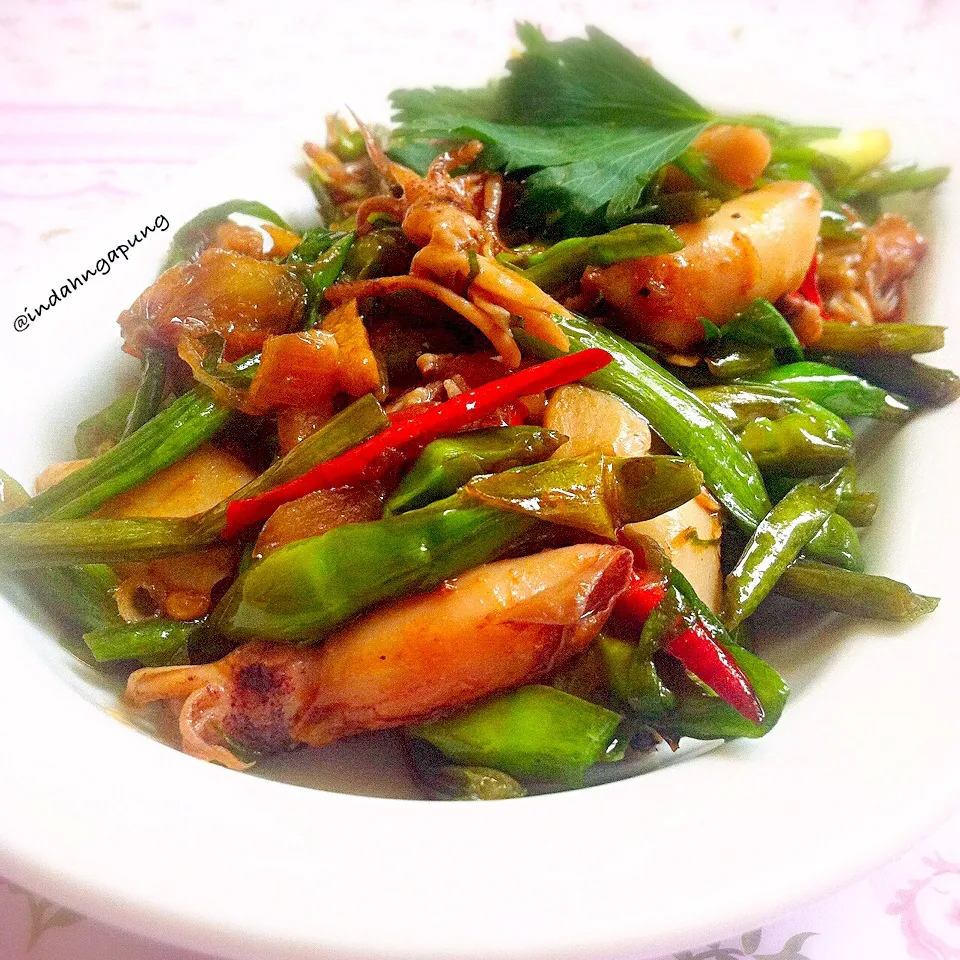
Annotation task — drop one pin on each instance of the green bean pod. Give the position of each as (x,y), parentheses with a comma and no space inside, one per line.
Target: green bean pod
(565,261)
(880,338)
(919,383)
(308,588)
(856,594)
(703,716)
(836,542)
(537,732)
(798,444)
(839,391)
(154,643)
(775,544)
(633,677)
(734,361)
(441,780)
(859,508)
(448,463)
(596,494)
(680,417)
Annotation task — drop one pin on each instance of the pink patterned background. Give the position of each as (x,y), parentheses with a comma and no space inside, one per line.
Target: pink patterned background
(102,101)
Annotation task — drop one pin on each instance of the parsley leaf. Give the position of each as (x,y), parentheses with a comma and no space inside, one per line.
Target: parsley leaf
(588,120)
(596,80)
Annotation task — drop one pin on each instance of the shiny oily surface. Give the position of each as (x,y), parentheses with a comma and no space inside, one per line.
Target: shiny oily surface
(108,821)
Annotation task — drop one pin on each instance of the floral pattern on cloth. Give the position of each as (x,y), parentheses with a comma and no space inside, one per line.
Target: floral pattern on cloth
(747,947)
(44,915)
(929,911)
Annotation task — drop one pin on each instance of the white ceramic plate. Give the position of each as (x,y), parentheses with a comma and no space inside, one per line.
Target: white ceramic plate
(108,821)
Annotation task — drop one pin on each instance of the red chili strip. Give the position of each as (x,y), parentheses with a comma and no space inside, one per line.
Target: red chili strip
(443,418)
(645,592)
(706,659)
(809,289)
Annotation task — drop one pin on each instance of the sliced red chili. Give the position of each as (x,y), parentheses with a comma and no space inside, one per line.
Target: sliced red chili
(701,655)
(809,289)
(359,464)
(645,592)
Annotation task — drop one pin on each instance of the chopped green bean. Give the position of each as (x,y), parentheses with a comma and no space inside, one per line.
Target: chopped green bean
(859,508)
(839,391)
(565,261)
(836,542)
(798,443)
(448,463)
(857,594)
(152,642)
(884,180)
(732,361)
(441,780)
(536,731)
(681,418)
(879,338)
(306,589)
(775,544)
(704,716)
(596,494)
(918,382)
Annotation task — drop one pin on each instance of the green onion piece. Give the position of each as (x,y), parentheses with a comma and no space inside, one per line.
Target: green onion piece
(149,394)
(105,427)
(170,436)
(26,545)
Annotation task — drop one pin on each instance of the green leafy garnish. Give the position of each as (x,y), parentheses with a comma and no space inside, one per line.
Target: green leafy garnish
(588,124)
(590,120)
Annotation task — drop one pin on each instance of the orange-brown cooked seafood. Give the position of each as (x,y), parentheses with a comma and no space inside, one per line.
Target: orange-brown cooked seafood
(496,627)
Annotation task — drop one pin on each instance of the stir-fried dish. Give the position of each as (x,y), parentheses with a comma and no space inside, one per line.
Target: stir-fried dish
(504,453)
